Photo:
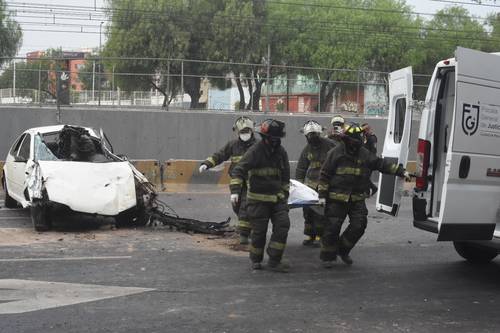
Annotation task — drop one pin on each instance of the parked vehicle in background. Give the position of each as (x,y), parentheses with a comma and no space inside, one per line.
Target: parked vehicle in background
(457,192)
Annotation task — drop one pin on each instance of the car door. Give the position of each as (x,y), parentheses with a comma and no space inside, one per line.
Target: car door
(17,174)
(10,164)
(397,139)
(471,189)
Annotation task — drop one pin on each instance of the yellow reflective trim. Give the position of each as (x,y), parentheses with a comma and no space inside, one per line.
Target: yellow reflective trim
(236,181)
(394,168)
(323,187)
(211,160)
(349,171)
(244,224)
(339,196)
(265,172)
(286,187)
(256,250)
(328,248)
(315,165)
(277,246)
(236,159)
(262,197)
(358,197)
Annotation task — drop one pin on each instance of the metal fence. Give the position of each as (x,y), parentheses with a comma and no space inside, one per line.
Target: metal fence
(223,86)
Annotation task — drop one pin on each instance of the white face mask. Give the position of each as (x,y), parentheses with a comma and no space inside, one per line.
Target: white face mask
(245,136)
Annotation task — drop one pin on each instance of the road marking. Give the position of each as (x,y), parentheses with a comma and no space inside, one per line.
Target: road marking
(64,259)
(14,217)
(20,296)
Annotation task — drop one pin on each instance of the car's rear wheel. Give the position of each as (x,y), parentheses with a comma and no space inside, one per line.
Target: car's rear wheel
(40,216)
(9,201)
(475,254)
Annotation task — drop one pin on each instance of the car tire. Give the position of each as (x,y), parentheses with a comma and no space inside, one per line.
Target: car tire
(475,254)
(40,216)
(9,201)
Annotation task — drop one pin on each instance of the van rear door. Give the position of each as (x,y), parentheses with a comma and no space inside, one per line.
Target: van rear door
(397,139)
(471,191)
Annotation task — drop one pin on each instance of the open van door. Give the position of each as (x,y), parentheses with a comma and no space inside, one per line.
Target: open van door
(397,139)
(470,206)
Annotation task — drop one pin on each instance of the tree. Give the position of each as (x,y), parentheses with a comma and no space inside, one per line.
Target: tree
(183,32)
(10,34)
(451,27)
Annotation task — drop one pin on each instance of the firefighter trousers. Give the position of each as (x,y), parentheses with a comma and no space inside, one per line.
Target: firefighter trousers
(244,226)
(313,223)
(259,214)
(332,243)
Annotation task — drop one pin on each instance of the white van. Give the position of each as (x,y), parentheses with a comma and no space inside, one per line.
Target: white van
(457,192)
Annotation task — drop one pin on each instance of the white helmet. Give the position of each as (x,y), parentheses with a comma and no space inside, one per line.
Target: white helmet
(312,127)
(242,123)
(337,119)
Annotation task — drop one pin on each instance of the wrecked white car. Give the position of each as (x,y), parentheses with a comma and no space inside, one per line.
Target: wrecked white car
(57,170)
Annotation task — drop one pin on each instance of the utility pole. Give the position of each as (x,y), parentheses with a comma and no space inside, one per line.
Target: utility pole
(182,84)
(268,79)
(39,83)
(93,80)
(14,83)
(100,64)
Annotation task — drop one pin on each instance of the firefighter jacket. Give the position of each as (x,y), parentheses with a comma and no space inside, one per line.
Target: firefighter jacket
(234,150)
(266,173)
(310,162)
(345,177)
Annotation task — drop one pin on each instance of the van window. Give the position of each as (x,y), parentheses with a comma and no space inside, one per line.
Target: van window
(399,122)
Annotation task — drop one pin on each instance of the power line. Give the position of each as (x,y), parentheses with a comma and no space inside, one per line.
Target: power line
(287,3)
(467,3)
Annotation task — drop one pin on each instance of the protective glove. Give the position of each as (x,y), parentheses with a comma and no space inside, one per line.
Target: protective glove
(203,168)
(235,198)
(322,201)
(407,176)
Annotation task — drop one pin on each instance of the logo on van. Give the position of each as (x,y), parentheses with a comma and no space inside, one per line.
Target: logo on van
(470,119)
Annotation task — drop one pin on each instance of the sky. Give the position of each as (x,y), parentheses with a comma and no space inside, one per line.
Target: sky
(33,40)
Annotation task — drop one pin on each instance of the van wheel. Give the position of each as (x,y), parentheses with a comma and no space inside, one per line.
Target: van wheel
(40,216)
(9,201)
(475,254)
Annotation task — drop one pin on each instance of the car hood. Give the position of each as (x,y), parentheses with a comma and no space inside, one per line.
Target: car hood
(94,188)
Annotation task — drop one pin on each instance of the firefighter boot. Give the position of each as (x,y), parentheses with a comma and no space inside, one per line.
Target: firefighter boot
(309,241)
(280,267)
(346,258)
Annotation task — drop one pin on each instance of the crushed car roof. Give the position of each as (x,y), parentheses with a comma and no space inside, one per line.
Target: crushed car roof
(53,128)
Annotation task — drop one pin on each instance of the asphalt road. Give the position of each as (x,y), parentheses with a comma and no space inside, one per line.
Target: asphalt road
(402,280)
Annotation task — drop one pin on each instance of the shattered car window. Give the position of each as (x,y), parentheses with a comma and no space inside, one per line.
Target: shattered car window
(42,152)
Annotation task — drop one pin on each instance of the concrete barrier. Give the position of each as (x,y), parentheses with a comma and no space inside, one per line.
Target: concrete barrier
(151,169)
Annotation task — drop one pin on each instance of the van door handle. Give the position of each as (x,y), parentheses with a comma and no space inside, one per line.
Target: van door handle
(463,172)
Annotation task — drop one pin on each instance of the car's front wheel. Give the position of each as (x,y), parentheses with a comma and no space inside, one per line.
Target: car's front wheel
(475,254)
(9,201)
(40,216)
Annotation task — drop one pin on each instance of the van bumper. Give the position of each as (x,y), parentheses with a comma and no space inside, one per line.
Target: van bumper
(426,225)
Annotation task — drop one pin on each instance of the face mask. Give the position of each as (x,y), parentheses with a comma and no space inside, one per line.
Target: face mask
(245,136)
(337,129)
(313,140)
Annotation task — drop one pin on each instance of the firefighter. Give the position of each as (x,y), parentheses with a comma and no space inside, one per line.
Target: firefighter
(344,180)
(234,150)
(266,170)
(312,157)
(371,145)
(338,123)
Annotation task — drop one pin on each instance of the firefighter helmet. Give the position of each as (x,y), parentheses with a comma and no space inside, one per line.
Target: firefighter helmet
(243,123)
(312,126)
(272,128)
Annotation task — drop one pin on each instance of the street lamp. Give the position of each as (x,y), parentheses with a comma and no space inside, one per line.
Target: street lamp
(99,70)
